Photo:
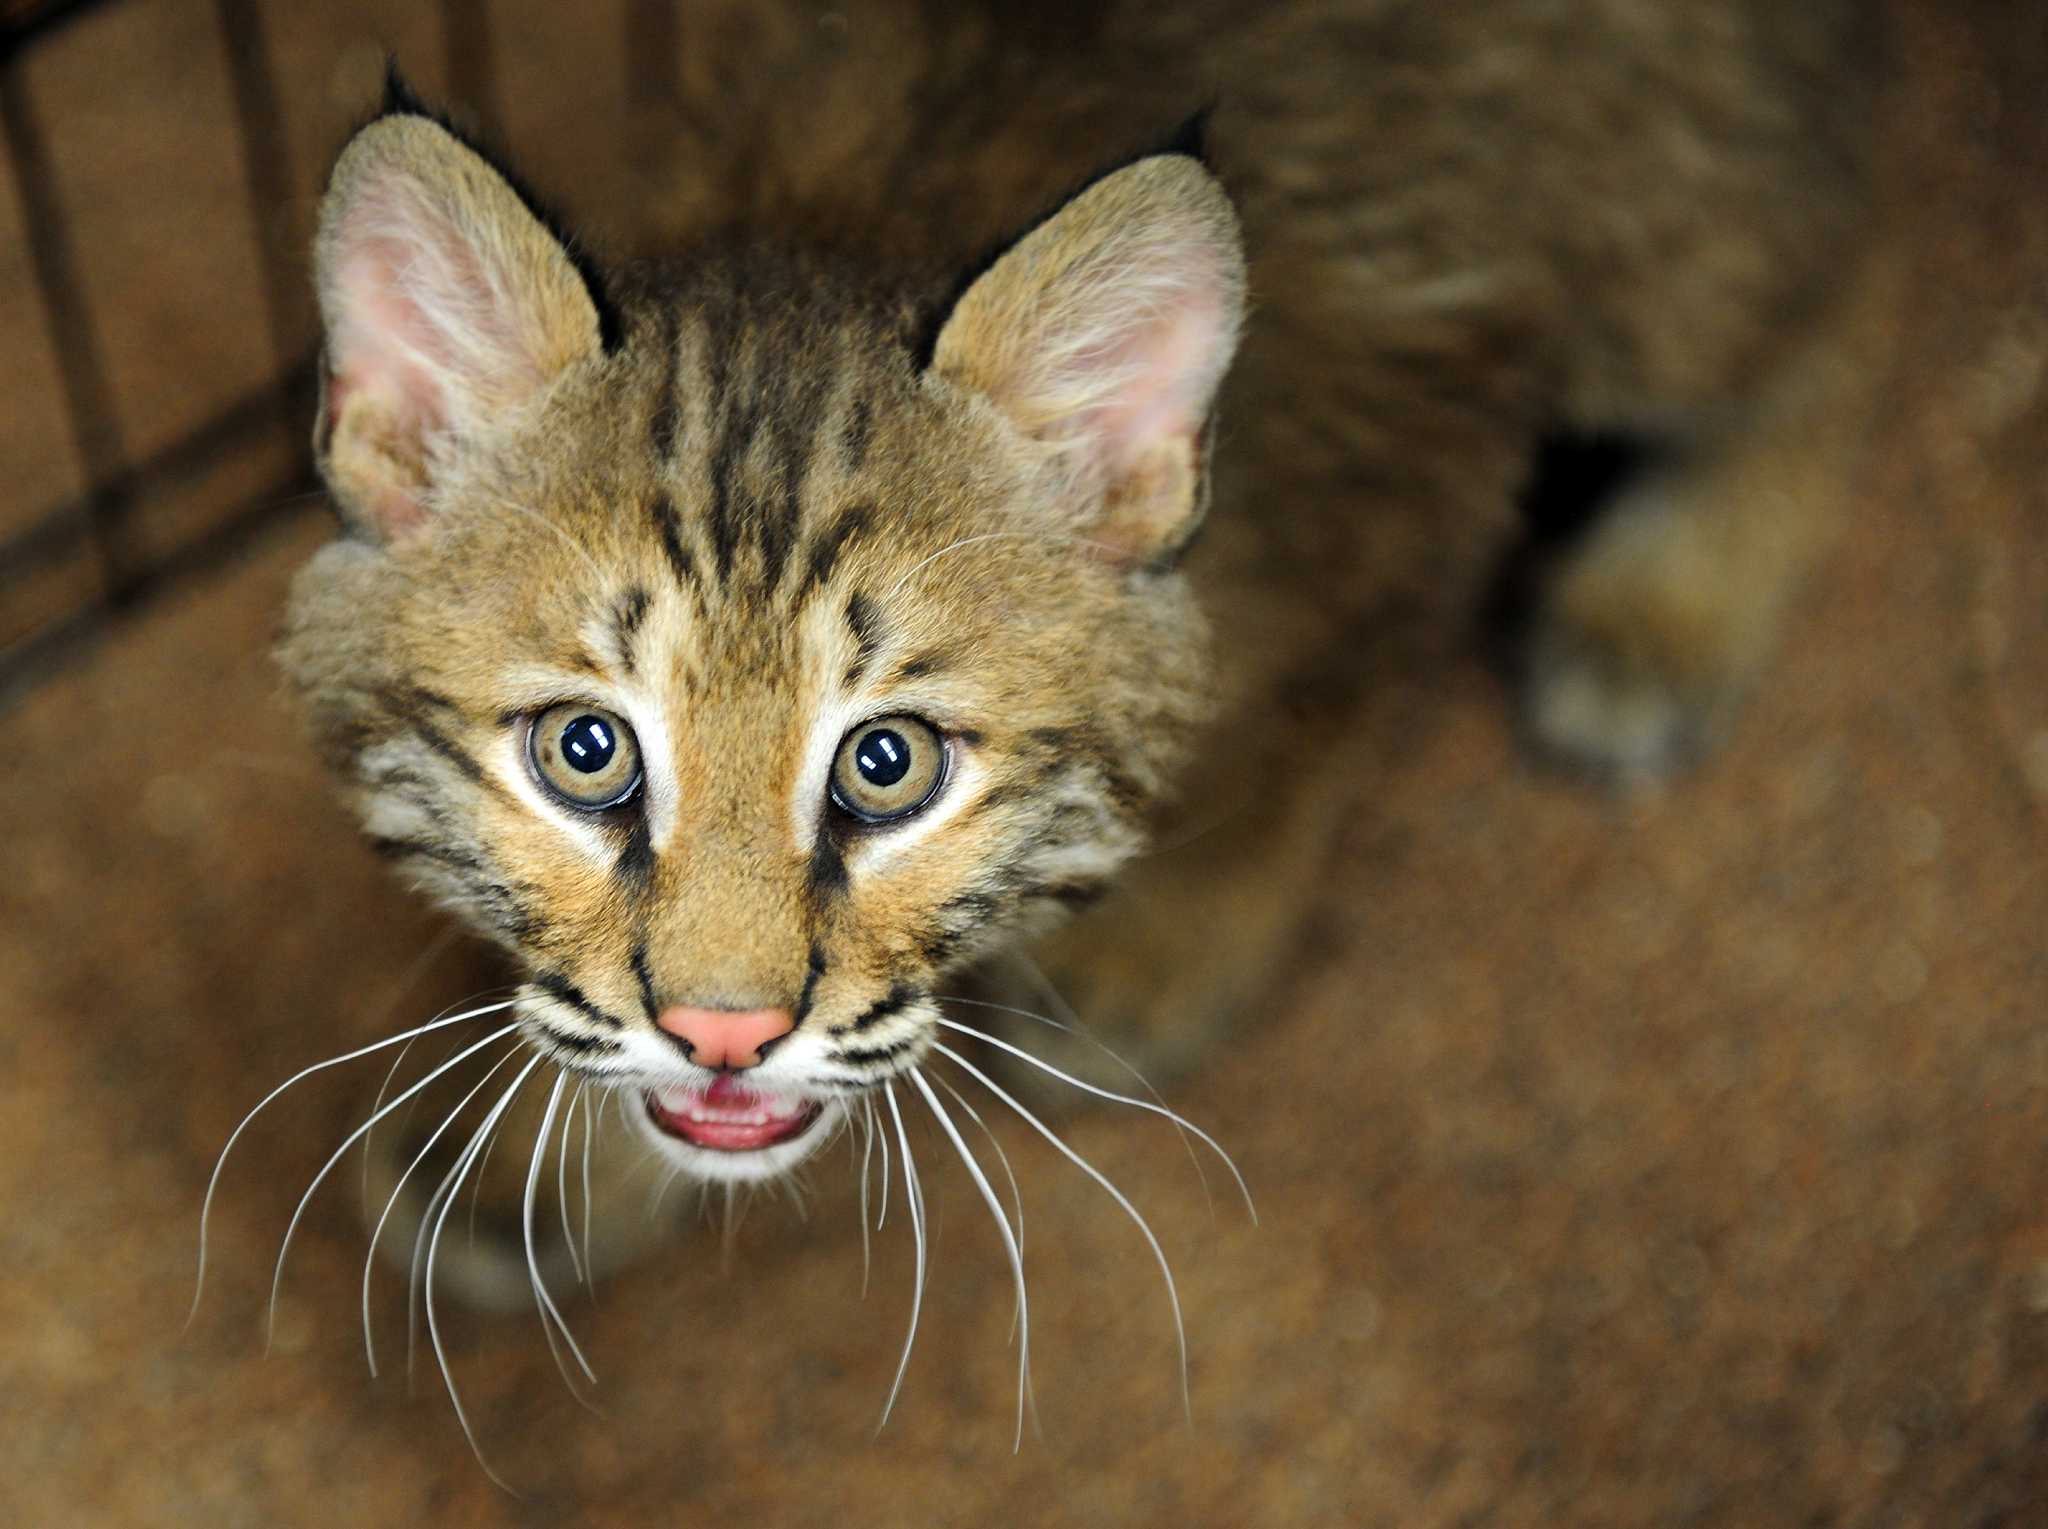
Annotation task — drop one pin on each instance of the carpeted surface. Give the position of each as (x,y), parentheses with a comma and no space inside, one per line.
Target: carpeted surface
(1678,1161)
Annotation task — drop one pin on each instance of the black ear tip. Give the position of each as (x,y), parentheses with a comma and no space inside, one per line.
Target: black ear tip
(1192,137)
(400,99)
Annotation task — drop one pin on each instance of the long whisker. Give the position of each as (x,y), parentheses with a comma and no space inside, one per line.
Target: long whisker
(867,1125)
(285,1247)
(540,1286)
(377,1231)
(995,1209)
(562,1180)
(882,1216)
(1144,1227)
(914,1197)
(1072,1025)
(589,1268)
(1016,1194)
(213,1183)
(992,536)
(399,989)
(1105,1093)
(470,1154)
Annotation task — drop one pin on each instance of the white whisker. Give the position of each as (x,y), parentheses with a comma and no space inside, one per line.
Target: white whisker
(995,1209)
(1016,1194)
(867,1154)
(995,536)
(469,1156)
(562,1181)
(377,1231)
(882,1216)
(213,1183)
(277,1277)
(1073,1026)
(1144,1227)
(589,1269)
(540,1286)
(1105,1093)
(914,1197)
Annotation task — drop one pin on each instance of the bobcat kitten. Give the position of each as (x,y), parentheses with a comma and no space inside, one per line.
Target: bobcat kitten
(752,640)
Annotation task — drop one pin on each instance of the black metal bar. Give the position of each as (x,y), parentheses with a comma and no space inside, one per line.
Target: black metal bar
(30,662)
(266,163)
(289,396)
(88,399)
(39,22)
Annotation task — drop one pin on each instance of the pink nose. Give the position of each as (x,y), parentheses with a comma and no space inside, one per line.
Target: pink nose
(732,1038)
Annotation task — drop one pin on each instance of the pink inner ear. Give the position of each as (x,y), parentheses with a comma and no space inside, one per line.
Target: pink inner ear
(1158,376)
(383,345)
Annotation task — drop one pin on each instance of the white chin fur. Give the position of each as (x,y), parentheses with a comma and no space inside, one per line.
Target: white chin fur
(712,1166)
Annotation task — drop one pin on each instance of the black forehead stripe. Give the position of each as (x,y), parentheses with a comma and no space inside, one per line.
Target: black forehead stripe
(665,423)
(633,606)
(562,989)
(626,618)
(854,437)
(736,429)
(830,542)
(924,663)
(669,526)
(799,421)
(865,623)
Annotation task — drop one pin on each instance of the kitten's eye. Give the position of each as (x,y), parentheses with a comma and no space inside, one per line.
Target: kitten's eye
(584,755)
(888,769)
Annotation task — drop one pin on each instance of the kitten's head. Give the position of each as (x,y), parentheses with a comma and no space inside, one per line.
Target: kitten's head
(739,663)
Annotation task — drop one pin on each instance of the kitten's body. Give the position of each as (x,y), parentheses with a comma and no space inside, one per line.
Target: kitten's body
(779,483)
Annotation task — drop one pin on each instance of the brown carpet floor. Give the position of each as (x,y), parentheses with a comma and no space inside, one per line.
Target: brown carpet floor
(1683,1161)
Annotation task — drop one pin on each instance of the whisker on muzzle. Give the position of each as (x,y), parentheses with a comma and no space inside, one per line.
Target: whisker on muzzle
(398,1189)
(405,1037)
(277,1277)
(1130,1210)
(470,1154)
(1010,1243)
(913,1196)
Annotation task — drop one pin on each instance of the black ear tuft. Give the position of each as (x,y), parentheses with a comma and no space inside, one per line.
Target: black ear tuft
(399,97)
(1192,138)
(401,100)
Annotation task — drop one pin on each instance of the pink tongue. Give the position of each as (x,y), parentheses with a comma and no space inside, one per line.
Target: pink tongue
(728,1116)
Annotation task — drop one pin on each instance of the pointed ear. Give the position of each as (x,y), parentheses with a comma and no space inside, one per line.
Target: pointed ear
(1104,334)
(448,304)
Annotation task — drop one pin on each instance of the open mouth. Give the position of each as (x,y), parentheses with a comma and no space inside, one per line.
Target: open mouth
(727,1116)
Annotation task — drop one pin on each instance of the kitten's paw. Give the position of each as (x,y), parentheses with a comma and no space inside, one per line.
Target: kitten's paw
(1644,642)
(1604,708)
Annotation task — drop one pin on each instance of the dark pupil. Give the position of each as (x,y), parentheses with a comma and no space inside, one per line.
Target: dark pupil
(588,745)
(883,757)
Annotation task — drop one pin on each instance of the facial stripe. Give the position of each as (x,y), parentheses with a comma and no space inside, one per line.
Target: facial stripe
(825,550)
(863,621)
(560,988)
(669,526)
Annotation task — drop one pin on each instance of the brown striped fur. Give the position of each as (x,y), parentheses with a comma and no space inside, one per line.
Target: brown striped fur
(749,478)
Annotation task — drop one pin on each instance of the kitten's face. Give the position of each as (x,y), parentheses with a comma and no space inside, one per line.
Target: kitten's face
(744,666)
